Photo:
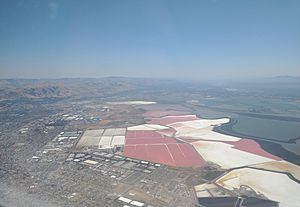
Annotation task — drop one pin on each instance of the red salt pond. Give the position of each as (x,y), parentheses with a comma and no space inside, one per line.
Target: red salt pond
(173,154)
(159,154)
(151,146)
(253,147)
(160,147)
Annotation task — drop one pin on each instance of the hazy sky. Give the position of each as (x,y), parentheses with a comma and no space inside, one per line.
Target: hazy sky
(138,38)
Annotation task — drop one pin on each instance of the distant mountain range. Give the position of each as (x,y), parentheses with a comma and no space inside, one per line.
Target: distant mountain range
(59,88)
(73,87)
(97,87)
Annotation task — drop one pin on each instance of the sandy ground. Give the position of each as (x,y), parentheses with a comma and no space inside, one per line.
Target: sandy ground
(114,132)
(275,186)
(102,137)
(148,127)
(202,129)
(204,123)
(281,166)
(227,157)
(90,138)
(118,140)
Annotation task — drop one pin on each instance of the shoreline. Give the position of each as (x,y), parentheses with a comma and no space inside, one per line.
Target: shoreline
(270,145)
